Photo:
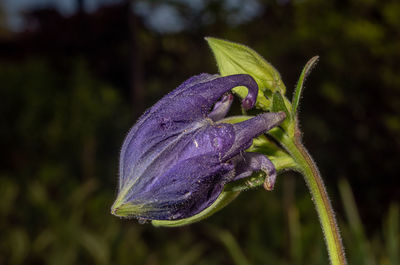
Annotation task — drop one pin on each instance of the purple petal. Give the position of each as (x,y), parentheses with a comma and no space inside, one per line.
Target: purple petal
(247,130)
(186,189)
(221,108)
(247,163)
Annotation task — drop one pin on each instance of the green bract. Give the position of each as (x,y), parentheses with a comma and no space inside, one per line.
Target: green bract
(236,58)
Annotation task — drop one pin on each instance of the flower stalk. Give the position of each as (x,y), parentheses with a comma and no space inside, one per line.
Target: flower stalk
(326,215)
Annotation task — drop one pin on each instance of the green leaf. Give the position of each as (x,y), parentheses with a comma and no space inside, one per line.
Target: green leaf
(281,103)
(297,93)
(360,246)
(233,58)
(278,104)
(232,246)
(391,231)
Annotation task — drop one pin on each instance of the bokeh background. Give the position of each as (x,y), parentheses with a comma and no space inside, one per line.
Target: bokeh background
(76,74)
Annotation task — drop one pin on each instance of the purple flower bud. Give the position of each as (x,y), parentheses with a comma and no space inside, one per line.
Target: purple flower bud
(177,158)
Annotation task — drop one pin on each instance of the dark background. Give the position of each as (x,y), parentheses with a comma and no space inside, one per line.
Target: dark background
(73,83)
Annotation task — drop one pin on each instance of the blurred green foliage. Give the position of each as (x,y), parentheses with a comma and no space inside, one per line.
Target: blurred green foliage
(65,112)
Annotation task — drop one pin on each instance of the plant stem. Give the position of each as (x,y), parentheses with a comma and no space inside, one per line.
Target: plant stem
(319,196)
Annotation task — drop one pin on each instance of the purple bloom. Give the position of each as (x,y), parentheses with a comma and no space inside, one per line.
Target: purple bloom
(177,158)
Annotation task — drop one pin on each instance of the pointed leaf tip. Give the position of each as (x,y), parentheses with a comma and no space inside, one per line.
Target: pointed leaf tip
(299,87)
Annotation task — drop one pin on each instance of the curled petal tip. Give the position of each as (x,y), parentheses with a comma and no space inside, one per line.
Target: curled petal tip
(277,117)
(250,100)
(268,185)
(270,178)
(269,182)
(281,115)
(228,97)
(248,103)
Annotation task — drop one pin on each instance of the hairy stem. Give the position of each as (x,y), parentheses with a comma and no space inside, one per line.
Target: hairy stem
(320,198)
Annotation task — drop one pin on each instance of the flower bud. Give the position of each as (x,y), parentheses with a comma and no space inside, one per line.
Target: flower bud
(177,158)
